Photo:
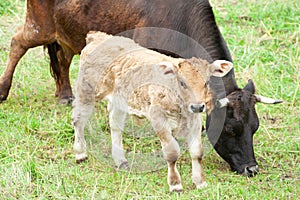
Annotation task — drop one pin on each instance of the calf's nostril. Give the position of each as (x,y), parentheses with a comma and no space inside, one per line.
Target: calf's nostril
(197,108)
(202,107)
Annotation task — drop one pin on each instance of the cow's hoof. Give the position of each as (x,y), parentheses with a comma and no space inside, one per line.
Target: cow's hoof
(176,188)
(81,158)
(202,185)
(66,100)
(2,98)
(124,166)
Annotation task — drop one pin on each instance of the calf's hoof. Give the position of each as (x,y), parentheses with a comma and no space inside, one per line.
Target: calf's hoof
(176,188)
(201,185)
(81,157)
(124,166)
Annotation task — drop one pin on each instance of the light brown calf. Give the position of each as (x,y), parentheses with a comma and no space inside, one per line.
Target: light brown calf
(169,92)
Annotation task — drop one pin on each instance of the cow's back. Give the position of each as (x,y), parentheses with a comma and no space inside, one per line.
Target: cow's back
(194,19)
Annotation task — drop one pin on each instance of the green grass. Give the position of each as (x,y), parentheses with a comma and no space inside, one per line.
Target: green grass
(36,146)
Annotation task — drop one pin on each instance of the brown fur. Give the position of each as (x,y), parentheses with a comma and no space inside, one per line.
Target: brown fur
(62,26)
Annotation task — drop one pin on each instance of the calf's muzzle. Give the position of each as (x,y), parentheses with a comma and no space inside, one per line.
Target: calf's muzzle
(197,108)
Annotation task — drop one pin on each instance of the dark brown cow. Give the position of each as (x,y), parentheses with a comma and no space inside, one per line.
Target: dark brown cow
(62,26)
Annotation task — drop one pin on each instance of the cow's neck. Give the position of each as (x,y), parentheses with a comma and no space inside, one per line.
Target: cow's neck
(223,86)
(210,38)
(229,82)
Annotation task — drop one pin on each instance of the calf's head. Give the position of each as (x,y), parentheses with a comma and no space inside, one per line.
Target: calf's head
(192,76)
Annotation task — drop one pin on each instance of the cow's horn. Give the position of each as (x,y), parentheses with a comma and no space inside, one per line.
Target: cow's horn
(267,100)
(222,102)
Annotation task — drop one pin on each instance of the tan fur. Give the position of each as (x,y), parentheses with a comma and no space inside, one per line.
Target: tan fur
(135,82)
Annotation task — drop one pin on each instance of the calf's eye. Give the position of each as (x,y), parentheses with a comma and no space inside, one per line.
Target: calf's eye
(183,84)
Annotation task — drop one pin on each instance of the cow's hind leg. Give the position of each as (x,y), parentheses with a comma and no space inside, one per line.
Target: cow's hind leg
(195,148)
(117,119)
(60,60)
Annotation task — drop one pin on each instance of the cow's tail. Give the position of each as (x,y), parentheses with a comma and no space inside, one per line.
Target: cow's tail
(55,70)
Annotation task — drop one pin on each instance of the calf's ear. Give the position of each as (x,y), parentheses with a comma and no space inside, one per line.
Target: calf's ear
(167,68)
(220,68)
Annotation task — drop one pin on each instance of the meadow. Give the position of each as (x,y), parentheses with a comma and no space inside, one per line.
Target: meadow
(36,135)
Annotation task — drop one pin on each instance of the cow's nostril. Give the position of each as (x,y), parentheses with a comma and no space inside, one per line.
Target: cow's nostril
(251,171)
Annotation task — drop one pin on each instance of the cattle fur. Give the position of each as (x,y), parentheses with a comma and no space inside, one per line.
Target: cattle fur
(148,84)
(61,26)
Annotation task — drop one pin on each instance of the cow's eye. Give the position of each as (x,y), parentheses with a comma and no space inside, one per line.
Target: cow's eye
(183,84)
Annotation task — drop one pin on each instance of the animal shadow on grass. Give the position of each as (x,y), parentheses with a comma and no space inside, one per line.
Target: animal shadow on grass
(142,146)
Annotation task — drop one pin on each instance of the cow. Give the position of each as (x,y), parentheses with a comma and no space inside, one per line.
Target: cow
(170,92)
(181,28)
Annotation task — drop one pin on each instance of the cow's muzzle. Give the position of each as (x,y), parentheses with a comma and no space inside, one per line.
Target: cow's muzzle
(251,171)
(197,108)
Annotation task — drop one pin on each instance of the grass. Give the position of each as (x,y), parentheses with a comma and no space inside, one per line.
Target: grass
(36,146)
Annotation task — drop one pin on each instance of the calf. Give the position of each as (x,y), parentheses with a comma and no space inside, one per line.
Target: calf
(169,92)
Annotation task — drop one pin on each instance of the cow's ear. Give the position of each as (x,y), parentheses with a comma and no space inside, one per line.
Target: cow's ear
(250,87)
(220,68)
(167,68)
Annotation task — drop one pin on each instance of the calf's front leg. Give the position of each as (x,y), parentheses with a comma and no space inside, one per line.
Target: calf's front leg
(195,149)
(171,152)
(170,147)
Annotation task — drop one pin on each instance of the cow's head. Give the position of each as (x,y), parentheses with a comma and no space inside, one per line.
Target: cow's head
(235,144)
(192,76)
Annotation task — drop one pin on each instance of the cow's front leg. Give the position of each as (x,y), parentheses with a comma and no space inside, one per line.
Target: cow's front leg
(60,60)
(117,119)
(18,48)
(195,148)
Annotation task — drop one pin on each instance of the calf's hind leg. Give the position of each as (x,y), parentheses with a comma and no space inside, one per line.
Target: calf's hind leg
(80,116)
(83,107)
(117,119)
